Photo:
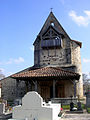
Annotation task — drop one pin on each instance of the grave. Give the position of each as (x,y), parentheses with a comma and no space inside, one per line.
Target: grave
(2,108)
(79,107)
(33,108)
(88,99)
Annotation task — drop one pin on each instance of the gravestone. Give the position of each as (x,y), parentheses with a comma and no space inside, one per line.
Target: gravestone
(88,99)
(79,108)
(2,108)
(33,108)
(71,106)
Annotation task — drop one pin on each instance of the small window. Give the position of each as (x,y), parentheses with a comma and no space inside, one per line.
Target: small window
(52,24)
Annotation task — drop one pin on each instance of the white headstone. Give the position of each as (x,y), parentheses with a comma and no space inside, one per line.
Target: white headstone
(33,109)
(2,108)
(32,100)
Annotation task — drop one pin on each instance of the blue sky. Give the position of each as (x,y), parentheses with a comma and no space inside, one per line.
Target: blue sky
(21,21)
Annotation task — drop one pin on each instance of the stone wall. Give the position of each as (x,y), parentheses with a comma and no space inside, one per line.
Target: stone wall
(76,60)
(58,57)
(9,89)
(67,55)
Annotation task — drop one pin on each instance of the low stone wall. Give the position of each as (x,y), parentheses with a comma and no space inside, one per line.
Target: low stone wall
(64,101)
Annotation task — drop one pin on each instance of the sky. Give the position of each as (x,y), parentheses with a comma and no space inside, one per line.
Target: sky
(21,21)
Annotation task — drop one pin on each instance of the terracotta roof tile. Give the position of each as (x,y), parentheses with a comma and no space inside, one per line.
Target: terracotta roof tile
(46,72)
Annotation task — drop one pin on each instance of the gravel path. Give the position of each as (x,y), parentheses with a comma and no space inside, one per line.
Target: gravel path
(76,117)
(83,116)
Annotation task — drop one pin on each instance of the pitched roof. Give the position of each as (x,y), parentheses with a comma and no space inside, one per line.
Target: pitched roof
(51,19)
(47,72)
(79,43)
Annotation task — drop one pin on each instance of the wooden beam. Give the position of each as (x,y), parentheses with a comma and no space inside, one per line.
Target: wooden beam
(17,88)
(26,83)
(74,89)
(54,84)
(36,86)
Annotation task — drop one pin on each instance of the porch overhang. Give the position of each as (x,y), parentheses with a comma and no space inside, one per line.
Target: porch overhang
(47,73)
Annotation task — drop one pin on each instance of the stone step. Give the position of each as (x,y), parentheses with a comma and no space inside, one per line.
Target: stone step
(76,117)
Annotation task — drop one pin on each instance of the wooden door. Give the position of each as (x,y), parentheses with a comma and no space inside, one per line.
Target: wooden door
(45,92)
(60,91)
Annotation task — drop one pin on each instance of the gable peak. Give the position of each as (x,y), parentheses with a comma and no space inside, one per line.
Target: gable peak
(52,20)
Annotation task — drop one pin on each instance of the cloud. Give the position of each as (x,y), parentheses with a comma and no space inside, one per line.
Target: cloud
(80,20)
(16,61)
(19,60)
(86,60)
(1,70)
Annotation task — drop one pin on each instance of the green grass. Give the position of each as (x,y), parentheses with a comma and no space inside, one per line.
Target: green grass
(88,110)
(83,106)
(68,106)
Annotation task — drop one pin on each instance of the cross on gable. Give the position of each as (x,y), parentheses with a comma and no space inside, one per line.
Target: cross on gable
(51,9)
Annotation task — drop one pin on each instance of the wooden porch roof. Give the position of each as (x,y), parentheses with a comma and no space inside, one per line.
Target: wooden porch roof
(47,72)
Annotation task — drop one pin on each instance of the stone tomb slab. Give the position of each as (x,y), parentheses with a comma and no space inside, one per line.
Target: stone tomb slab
(33,108)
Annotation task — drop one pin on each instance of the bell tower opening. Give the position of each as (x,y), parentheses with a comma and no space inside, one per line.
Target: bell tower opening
(51,38)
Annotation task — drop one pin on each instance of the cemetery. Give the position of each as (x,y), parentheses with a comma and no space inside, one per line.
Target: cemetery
(33,107)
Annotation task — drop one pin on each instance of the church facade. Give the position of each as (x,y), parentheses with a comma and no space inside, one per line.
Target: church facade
(57,69)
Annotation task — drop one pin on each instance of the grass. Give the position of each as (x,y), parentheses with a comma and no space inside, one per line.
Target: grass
(83,106)
(65,107)
(88,110)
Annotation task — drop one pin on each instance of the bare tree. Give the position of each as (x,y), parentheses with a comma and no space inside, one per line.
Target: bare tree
(1,75)
(86,83)
(85,78)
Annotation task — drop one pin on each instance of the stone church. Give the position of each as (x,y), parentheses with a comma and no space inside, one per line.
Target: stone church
(56,72)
